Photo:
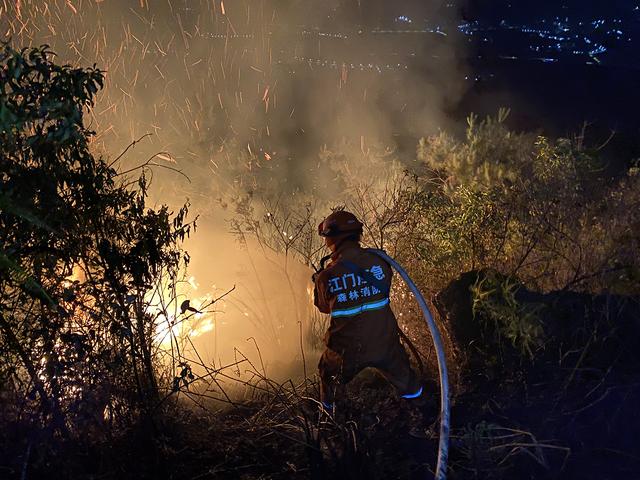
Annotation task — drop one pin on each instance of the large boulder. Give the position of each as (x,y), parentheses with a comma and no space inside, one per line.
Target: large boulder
(496,323)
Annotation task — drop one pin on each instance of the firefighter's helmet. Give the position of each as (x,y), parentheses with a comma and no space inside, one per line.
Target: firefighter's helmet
(340,223)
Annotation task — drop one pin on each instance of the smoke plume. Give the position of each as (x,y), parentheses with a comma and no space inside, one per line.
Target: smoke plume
(243,97)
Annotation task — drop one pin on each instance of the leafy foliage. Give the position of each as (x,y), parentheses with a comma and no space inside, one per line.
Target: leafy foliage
(79,252)
(494,301)
(526,206)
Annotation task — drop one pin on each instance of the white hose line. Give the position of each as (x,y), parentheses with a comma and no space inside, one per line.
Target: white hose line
(443,447)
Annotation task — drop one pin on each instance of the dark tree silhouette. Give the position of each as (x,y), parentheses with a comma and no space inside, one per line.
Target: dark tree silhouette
(79,253)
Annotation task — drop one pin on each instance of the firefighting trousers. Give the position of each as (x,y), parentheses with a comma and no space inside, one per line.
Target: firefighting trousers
(339,368)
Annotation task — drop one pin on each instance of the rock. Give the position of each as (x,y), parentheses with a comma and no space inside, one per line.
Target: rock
(563,327)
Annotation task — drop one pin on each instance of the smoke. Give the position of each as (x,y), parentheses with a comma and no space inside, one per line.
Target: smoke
(270,307)
(242,97)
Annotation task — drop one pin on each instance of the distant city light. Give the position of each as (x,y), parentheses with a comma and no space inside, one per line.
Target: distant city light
(403,18)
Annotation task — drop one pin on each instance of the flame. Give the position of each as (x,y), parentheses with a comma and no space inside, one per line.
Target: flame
(171,323)
(205,326)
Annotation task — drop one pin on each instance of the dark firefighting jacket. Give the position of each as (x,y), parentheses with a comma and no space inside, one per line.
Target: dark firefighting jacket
(362,322)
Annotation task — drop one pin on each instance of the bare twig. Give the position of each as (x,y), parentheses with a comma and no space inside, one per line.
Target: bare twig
(150,163)
(132,144)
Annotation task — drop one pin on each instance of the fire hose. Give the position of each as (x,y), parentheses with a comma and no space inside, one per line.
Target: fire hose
(443,446)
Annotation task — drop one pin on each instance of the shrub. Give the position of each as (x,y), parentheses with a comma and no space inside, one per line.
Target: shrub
(494,303)
(79,252)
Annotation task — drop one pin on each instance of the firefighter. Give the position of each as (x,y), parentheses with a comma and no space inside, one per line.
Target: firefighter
(354,289)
